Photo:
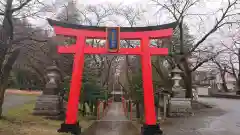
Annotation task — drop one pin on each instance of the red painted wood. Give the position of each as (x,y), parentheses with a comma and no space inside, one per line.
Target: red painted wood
(67,49)
(76,83)
(122,51)
(92,50)
(66,31)
(149,108)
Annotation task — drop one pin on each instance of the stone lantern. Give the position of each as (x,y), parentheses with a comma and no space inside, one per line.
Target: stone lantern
(53,77)
(177,90)
(178,104)
(49,104)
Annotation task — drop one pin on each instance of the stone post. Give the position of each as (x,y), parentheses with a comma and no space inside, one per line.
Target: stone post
(49,103)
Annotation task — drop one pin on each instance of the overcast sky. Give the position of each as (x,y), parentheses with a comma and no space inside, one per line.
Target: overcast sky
(206,6)
(193,22)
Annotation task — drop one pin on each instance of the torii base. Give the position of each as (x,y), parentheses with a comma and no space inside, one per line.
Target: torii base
(151,130)
(74,129)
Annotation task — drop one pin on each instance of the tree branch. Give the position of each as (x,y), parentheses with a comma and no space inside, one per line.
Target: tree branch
(216,26)
(206,60)
(232,68)
(21,6)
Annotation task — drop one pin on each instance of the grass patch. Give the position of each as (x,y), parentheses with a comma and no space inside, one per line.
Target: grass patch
(20,121)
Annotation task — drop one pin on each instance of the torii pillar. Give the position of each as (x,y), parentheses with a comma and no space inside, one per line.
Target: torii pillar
(82,32)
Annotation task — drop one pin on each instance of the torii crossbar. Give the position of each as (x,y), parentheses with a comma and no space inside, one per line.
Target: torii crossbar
(82,32)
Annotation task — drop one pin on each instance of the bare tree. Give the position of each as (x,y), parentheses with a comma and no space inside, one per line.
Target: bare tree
(229,61)
(8,53)
(132,16)
(179,10)
(222,71)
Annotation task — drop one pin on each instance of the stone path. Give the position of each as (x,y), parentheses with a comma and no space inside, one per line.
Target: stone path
(114,123)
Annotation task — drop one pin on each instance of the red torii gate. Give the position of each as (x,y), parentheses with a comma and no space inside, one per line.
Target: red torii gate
(82,32)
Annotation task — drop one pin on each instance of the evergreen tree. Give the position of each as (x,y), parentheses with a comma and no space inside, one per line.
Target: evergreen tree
(69,13)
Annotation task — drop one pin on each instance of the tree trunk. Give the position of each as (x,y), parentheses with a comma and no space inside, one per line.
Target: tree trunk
(238,83)
(3,86)
(4,77)
(187,77)
(2,93)
(188,84)
(6,36)
(224,83)
(238,78)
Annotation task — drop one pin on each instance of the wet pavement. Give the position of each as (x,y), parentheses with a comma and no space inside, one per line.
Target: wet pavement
(223,119)
(113,123)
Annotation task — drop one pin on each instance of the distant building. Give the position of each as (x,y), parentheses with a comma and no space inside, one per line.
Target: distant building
(230,81)
(205,78)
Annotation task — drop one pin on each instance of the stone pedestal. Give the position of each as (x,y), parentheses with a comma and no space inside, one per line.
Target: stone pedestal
(180,106)
(49,106)
(179,93)
(51,89)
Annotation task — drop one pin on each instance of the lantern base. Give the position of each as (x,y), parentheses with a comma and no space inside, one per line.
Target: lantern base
(74,129)
(151,130)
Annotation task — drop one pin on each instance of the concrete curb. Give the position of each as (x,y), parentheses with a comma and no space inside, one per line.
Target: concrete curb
(24,92)
(222,96)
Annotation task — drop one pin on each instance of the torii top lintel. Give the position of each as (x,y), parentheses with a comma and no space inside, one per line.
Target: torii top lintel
(127,33)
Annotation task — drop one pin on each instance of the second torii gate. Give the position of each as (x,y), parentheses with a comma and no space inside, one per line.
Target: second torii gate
(82,32)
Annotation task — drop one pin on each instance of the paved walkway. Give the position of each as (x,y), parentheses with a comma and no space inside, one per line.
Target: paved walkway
(114,123)
(223,119)
(14,100)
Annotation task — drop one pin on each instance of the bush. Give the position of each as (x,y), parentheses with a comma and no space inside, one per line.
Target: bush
(89,92)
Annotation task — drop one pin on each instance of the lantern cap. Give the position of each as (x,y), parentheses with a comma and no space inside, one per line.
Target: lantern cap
(176,70)
(53,68)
